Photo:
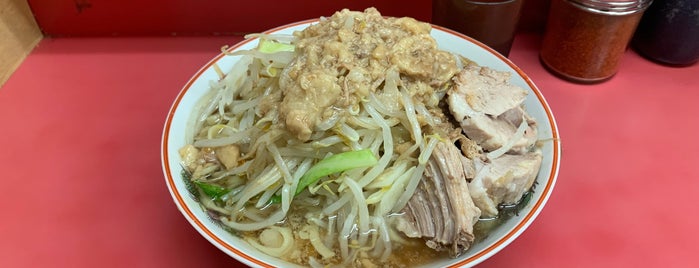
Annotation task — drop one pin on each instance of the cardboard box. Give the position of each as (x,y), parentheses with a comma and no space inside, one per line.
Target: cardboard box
(19,33)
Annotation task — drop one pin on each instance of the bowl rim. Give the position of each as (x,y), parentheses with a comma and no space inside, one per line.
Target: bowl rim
(470,261)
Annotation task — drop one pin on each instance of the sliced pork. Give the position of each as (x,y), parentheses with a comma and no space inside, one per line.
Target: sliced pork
(490,112)
(441,210)
(489,109)
(493,163)
(486,90)
(493,132)
(503,181)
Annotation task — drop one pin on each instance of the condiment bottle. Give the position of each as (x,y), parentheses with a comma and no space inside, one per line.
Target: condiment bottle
(669,32)
(586,39)
(492,22)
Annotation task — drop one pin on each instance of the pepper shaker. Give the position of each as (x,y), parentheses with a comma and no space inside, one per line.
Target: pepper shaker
(586,39)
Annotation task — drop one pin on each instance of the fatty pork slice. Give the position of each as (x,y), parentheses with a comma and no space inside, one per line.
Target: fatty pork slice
(502,181)
(441,210)
(493,132)
(489,109)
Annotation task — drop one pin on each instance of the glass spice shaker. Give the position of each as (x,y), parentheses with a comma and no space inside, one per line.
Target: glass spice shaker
(586,39)
(669,32)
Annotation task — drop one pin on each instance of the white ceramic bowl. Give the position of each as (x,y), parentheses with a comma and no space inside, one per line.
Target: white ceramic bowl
(181,114)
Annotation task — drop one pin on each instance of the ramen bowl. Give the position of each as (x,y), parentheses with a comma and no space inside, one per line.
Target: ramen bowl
(179,123)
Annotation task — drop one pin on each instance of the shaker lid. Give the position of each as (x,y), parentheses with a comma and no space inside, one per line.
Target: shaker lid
(612,7)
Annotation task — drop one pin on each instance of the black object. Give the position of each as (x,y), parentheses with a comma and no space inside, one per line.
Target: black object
(669,32)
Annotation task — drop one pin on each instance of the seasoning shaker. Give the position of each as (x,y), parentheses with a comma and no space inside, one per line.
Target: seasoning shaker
(669,32)
(585,40)
(491,22)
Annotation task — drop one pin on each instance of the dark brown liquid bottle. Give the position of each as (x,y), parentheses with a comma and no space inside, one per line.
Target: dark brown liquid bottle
(492,22)
(669,32)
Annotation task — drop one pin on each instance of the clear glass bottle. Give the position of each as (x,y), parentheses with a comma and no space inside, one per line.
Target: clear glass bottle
(586,39)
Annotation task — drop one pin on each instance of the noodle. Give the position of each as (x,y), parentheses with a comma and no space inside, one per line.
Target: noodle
(272,219)
(285,245)
(314,238)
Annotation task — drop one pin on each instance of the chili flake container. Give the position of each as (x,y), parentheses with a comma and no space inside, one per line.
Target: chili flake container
(586,39)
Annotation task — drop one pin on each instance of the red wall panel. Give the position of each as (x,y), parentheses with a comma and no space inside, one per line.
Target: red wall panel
(190,17)
(220,17)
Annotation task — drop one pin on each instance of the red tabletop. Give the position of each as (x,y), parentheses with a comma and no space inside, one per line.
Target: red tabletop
(82,118)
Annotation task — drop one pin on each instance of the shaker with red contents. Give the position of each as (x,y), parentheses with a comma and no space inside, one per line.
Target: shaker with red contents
(586,39)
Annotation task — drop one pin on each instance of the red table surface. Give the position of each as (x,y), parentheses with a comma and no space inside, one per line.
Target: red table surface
(82,119)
